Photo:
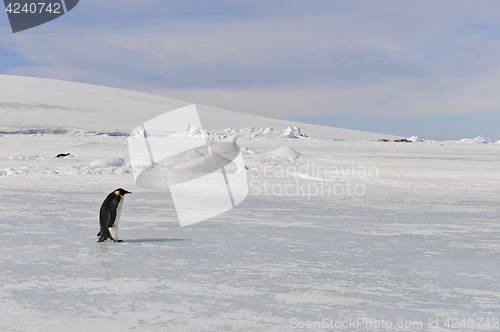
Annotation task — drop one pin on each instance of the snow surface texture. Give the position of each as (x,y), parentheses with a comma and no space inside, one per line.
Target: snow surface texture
(422,242)
(478,139)
(107,162)
(284,152)
(413,236)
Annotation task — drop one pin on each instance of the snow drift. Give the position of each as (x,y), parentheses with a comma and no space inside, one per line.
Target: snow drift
(284,152)
(107,162)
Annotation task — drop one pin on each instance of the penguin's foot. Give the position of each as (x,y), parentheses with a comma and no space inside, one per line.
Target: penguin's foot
(101,239)
(119,241)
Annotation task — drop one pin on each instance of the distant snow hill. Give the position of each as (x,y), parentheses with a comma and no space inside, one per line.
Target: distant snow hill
(57,106)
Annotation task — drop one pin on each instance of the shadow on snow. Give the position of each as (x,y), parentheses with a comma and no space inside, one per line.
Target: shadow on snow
(152,240)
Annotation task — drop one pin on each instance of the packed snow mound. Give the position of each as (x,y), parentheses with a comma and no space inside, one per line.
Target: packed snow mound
(107,162)
(141,133)
(226,147)
(192,154)
(289,133)
(284,152)
(248,151)
(208,164)
(190,132)
(478,139)
(228,139)
(262,134)
(415,139)
(292,132)
(194,131)
(482,139)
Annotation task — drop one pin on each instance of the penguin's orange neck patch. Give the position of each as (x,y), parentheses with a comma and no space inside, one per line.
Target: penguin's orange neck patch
(117,193)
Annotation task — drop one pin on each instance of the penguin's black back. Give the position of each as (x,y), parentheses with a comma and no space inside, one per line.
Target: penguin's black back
(107,214)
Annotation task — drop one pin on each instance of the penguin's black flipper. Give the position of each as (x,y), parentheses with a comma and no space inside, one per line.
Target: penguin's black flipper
(112,216)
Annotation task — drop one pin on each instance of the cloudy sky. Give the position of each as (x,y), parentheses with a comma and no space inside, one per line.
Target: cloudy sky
(426,68)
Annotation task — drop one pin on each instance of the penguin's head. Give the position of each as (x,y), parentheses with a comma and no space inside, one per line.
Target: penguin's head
(121,192)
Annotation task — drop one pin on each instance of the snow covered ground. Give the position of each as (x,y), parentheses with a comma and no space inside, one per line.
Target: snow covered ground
(332,229)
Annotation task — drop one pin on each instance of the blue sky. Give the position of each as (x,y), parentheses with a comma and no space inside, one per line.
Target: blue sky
(426,68)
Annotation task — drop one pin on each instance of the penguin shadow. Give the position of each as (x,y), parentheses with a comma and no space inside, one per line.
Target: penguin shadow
(153,240)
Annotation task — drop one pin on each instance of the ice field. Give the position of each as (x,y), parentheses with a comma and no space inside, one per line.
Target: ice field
(333,230)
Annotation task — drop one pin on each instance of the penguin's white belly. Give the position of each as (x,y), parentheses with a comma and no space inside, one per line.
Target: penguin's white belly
(113,230)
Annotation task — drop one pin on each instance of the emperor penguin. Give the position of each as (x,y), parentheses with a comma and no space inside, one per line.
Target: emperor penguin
(109,215)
